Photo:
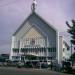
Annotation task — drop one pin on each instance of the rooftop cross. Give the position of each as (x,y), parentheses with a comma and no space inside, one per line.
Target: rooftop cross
(34,4)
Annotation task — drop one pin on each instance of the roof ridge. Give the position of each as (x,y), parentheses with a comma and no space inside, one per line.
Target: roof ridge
(39,17)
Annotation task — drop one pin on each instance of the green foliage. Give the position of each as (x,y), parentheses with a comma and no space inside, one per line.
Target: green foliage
(31,57)
(73,57)
(71,30)
(66,67)
(28,65)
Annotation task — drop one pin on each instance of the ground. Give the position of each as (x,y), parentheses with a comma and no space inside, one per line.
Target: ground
(23,71)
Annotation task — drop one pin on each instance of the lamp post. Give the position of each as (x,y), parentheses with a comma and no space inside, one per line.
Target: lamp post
(51,63)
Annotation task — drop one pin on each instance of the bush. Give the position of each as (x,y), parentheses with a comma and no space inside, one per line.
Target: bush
(28,65)
(66,67)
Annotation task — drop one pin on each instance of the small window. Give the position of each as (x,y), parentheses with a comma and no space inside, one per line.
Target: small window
(15,57)
(68,48)
(63,49)
(32,42)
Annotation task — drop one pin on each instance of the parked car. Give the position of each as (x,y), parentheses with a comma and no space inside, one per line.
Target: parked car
(20,64)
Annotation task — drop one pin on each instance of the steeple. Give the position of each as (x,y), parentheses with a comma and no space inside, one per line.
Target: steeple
(33,6)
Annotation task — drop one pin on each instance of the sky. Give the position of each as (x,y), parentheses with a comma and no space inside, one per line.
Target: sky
(14,12)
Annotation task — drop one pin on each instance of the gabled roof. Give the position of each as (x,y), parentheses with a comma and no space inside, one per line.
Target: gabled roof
(33,13)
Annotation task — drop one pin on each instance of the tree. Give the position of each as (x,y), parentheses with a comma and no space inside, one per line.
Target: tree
(71,30)
(73,56)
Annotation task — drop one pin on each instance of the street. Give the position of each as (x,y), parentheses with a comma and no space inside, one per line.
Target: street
(23,71)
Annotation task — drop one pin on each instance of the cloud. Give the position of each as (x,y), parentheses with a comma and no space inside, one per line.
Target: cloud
(5,48)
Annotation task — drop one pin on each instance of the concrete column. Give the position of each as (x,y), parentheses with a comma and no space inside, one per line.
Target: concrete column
(12,46)
(57,48)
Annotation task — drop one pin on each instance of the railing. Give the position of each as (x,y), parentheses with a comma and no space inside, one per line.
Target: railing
(16,50)
(30,42)
(53,49)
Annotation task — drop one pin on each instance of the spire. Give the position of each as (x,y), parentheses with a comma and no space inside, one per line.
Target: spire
(34,4)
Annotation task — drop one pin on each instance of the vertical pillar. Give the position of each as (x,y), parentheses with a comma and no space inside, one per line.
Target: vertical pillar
(57,49)
(47,50)
(12,46)
(20,46)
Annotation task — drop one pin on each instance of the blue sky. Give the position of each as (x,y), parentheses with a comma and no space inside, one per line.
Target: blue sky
(14,12)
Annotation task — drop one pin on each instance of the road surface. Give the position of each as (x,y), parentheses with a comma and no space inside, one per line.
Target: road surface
(23,71)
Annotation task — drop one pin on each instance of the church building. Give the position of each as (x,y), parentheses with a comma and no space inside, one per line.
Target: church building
(35,37)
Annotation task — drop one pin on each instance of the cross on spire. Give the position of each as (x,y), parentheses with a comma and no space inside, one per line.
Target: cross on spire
(34,4)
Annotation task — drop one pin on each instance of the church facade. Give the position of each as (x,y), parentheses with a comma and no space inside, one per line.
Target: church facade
(35,37)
